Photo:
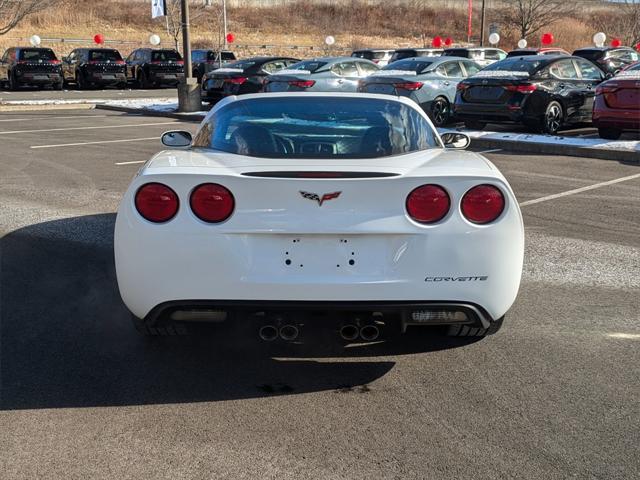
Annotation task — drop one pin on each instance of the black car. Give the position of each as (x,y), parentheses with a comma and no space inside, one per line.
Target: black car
(243,76)
(609,59)
(402,53)
(203,61)
(30,66)
(147,67)
(90,67)
(542,92)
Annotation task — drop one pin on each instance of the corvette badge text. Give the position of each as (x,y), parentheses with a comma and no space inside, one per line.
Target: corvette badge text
(317,198)
(482,278)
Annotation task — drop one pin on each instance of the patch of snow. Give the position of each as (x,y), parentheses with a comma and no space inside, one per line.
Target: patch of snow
(165,105)
(292,72)
(499,74)
(227,70)
(628,75)
(394,73)
(599,143)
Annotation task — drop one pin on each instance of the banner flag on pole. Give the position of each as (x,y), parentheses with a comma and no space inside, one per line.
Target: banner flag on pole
(158,8)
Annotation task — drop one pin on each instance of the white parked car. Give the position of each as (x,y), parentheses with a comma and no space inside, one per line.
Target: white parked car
(348,204)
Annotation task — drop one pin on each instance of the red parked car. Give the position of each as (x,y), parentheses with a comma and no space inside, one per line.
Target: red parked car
(617,104)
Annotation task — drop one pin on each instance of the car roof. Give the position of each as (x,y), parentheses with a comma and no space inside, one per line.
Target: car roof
(602,49)
(436,60)
(421,49)
(374,50)
(311,95)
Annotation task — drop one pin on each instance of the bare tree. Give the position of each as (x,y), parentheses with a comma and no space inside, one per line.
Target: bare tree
(622,21)
(12,12)
(528,17)
(174,18)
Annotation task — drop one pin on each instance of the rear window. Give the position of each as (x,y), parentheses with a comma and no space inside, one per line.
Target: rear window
(399,55)
(224,56)
(592,55)
(521,53)
(369,55)
(104,56)
(514,65)
(409,65)
(165,56)
(241,65)
(31,54)
(308,65)
(307,128)
(456,52)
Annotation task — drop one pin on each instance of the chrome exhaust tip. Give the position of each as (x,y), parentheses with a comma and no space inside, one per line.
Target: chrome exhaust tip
(289,332)
(268,333)
(369,333)
(349,332)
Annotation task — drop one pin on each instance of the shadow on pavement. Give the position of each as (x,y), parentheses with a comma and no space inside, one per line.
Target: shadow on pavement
(66,338)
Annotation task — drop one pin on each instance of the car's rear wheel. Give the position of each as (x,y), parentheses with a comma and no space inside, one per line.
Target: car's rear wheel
(470,331)
(440,112)
(81,81)
(13,82)
(143,79)
(160,330)
(609,133)
(474,124)
(553,118)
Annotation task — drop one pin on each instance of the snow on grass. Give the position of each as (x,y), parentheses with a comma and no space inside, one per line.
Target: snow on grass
(600,143)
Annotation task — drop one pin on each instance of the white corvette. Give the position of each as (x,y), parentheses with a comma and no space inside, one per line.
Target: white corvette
(344,209)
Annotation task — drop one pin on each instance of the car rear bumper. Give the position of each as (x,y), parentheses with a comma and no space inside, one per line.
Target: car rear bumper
(103,78)
(165,78)
(621,119)
(35,78)
(489,113)
(409,313)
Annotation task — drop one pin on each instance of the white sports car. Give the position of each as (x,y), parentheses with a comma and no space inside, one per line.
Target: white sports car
(344,209)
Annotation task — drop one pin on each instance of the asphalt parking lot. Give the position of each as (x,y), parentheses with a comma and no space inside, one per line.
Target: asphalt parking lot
(555,394)
(69,95)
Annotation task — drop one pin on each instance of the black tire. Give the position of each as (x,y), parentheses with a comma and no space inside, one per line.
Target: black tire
(59,86)
(13,82)
(143,79)
(468,331)
(81,81)
(475,124)
(166,330)
(609,133)
(440,111)
(553,118)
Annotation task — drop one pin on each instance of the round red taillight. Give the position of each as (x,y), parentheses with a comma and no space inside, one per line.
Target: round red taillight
(156,202)
(482,204)
(212,203)
(428,204)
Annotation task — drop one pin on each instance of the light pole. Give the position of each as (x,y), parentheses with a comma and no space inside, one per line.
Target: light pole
(188,89)
(482,25)
(224,22)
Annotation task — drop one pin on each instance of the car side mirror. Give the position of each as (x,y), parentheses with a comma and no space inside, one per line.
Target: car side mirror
(455,140)
(177,139)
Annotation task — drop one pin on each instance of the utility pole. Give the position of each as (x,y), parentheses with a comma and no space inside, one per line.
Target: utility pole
(482,25)
(188,89)
(224,22)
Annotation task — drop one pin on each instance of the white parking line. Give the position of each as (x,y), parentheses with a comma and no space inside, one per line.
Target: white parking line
(52,118)
(87,128)
(95,143)
(130,163)
(491,151)
(579,190)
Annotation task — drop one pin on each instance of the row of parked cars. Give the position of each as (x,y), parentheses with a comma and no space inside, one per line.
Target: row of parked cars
(88,68)
(544,89)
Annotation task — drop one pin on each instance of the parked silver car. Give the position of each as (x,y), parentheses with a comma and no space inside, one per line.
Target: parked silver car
(379,56)
(328,74)
(430,82)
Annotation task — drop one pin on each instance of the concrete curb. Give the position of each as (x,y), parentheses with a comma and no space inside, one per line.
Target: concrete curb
(190,117)
(555,149)
(17,107)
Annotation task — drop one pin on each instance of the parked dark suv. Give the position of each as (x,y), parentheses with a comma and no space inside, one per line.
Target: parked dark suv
(206,60)
(89,67)
(243,76)
(148,68)
(609,59)
(30,66)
